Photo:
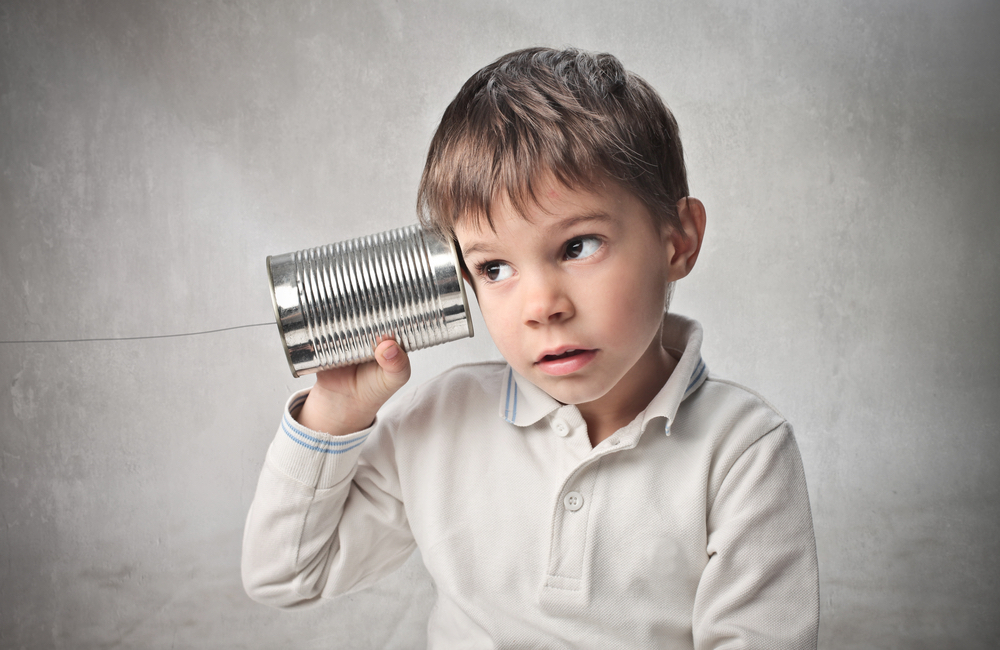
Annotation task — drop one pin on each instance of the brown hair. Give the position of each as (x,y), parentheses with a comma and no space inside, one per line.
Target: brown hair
(579,116)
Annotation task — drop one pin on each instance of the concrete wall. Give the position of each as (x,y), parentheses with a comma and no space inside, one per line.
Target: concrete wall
(152,155)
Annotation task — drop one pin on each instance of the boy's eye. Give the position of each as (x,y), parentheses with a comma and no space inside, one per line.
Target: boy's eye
(580,247)
(495,271)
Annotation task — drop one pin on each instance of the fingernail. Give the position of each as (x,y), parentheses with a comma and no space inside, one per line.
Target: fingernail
(390,352)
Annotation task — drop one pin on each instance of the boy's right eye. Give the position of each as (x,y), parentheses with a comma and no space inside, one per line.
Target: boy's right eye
(495,271)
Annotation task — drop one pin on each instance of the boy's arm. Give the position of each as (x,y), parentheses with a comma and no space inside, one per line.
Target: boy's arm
(319,525)
(760,588)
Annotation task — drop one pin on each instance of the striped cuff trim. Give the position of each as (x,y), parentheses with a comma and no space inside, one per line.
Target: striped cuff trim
(296,434)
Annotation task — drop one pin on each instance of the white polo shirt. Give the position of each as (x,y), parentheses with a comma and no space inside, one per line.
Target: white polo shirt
(688,528)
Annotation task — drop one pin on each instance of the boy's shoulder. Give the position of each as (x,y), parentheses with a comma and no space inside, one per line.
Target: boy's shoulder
(459,388)
(459,409)
(726,419)
(477,375)
(722,405)
(732,392)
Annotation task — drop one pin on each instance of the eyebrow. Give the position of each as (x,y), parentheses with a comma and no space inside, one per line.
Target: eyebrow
(586,218)
(476,248)
(562,224)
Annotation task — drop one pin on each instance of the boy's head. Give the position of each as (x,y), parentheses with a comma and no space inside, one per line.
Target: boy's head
(560,176)
(576,116)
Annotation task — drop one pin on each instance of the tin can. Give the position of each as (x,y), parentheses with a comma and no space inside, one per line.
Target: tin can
(333,304)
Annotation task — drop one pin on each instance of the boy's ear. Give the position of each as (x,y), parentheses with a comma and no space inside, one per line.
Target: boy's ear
(684,242)
(468,278)
(465,276)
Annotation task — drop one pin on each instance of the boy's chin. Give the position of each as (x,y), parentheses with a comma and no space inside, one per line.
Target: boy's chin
(567,391)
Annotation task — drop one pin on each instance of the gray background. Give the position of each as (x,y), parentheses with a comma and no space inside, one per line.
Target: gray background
(152,155)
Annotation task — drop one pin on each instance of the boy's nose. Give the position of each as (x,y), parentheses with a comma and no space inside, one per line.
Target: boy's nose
(545,301)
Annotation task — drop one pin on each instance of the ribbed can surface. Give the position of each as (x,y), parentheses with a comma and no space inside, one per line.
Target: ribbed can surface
(334,303)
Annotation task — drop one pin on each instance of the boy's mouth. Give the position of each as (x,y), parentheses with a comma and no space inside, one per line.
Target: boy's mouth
(565,361)
(561,355)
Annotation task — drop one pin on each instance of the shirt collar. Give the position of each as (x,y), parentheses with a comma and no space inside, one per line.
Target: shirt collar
(523,404)
(680,336)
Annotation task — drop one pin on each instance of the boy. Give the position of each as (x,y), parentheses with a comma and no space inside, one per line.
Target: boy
(619,497)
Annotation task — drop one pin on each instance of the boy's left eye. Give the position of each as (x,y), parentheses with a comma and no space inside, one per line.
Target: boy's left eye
(580,247)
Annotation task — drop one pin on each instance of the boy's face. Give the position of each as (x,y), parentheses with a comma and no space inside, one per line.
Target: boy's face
(573,292)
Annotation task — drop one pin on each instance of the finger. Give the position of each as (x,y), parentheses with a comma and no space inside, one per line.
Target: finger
(394,362)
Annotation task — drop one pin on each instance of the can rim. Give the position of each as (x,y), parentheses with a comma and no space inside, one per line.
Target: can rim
(277,320)
(461,284)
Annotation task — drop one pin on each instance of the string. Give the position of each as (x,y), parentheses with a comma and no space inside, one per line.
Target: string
(145,338)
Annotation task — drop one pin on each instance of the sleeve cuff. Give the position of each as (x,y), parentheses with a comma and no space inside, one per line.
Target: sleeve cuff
(312,457)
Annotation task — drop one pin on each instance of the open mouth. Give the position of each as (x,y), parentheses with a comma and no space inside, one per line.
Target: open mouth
(565,362)
(564,355)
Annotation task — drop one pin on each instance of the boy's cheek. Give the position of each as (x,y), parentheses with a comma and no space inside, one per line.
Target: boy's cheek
(494,323)
(499,322)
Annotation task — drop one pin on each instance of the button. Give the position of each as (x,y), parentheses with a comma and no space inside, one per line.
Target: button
(573,501)
(613,441)
(561,427)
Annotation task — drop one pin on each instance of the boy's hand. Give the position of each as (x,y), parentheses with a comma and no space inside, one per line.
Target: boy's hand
(345,400)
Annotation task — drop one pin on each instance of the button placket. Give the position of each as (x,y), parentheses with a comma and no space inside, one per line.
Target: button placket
(567,573)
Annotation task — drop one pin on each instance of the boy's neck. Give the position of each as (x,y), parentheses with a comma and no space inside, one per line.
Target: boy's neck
(630,396)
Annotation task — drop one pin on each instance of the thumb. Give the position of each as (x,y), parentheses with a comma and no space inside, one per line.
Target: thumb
(395,364)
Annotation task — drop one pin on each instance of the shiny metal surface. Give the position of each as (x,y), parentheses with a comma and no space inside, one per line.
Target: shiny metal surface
(334,303)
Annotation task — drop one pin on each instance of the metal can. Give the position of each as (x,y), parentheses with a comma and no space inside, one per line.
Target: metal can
(333,304)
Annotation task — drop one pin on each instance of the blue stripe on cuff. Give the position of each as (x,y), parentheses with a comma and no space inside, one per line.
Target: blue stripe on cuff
(325,446)
(327,451)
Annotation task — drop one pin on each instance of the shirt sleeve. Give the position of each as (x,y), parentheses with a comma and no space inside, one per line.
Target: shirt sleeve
(325,519)
(760,587)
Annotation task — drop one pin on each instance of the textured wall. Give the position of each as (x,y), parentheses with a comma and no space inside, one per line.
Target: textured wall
(152,155)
